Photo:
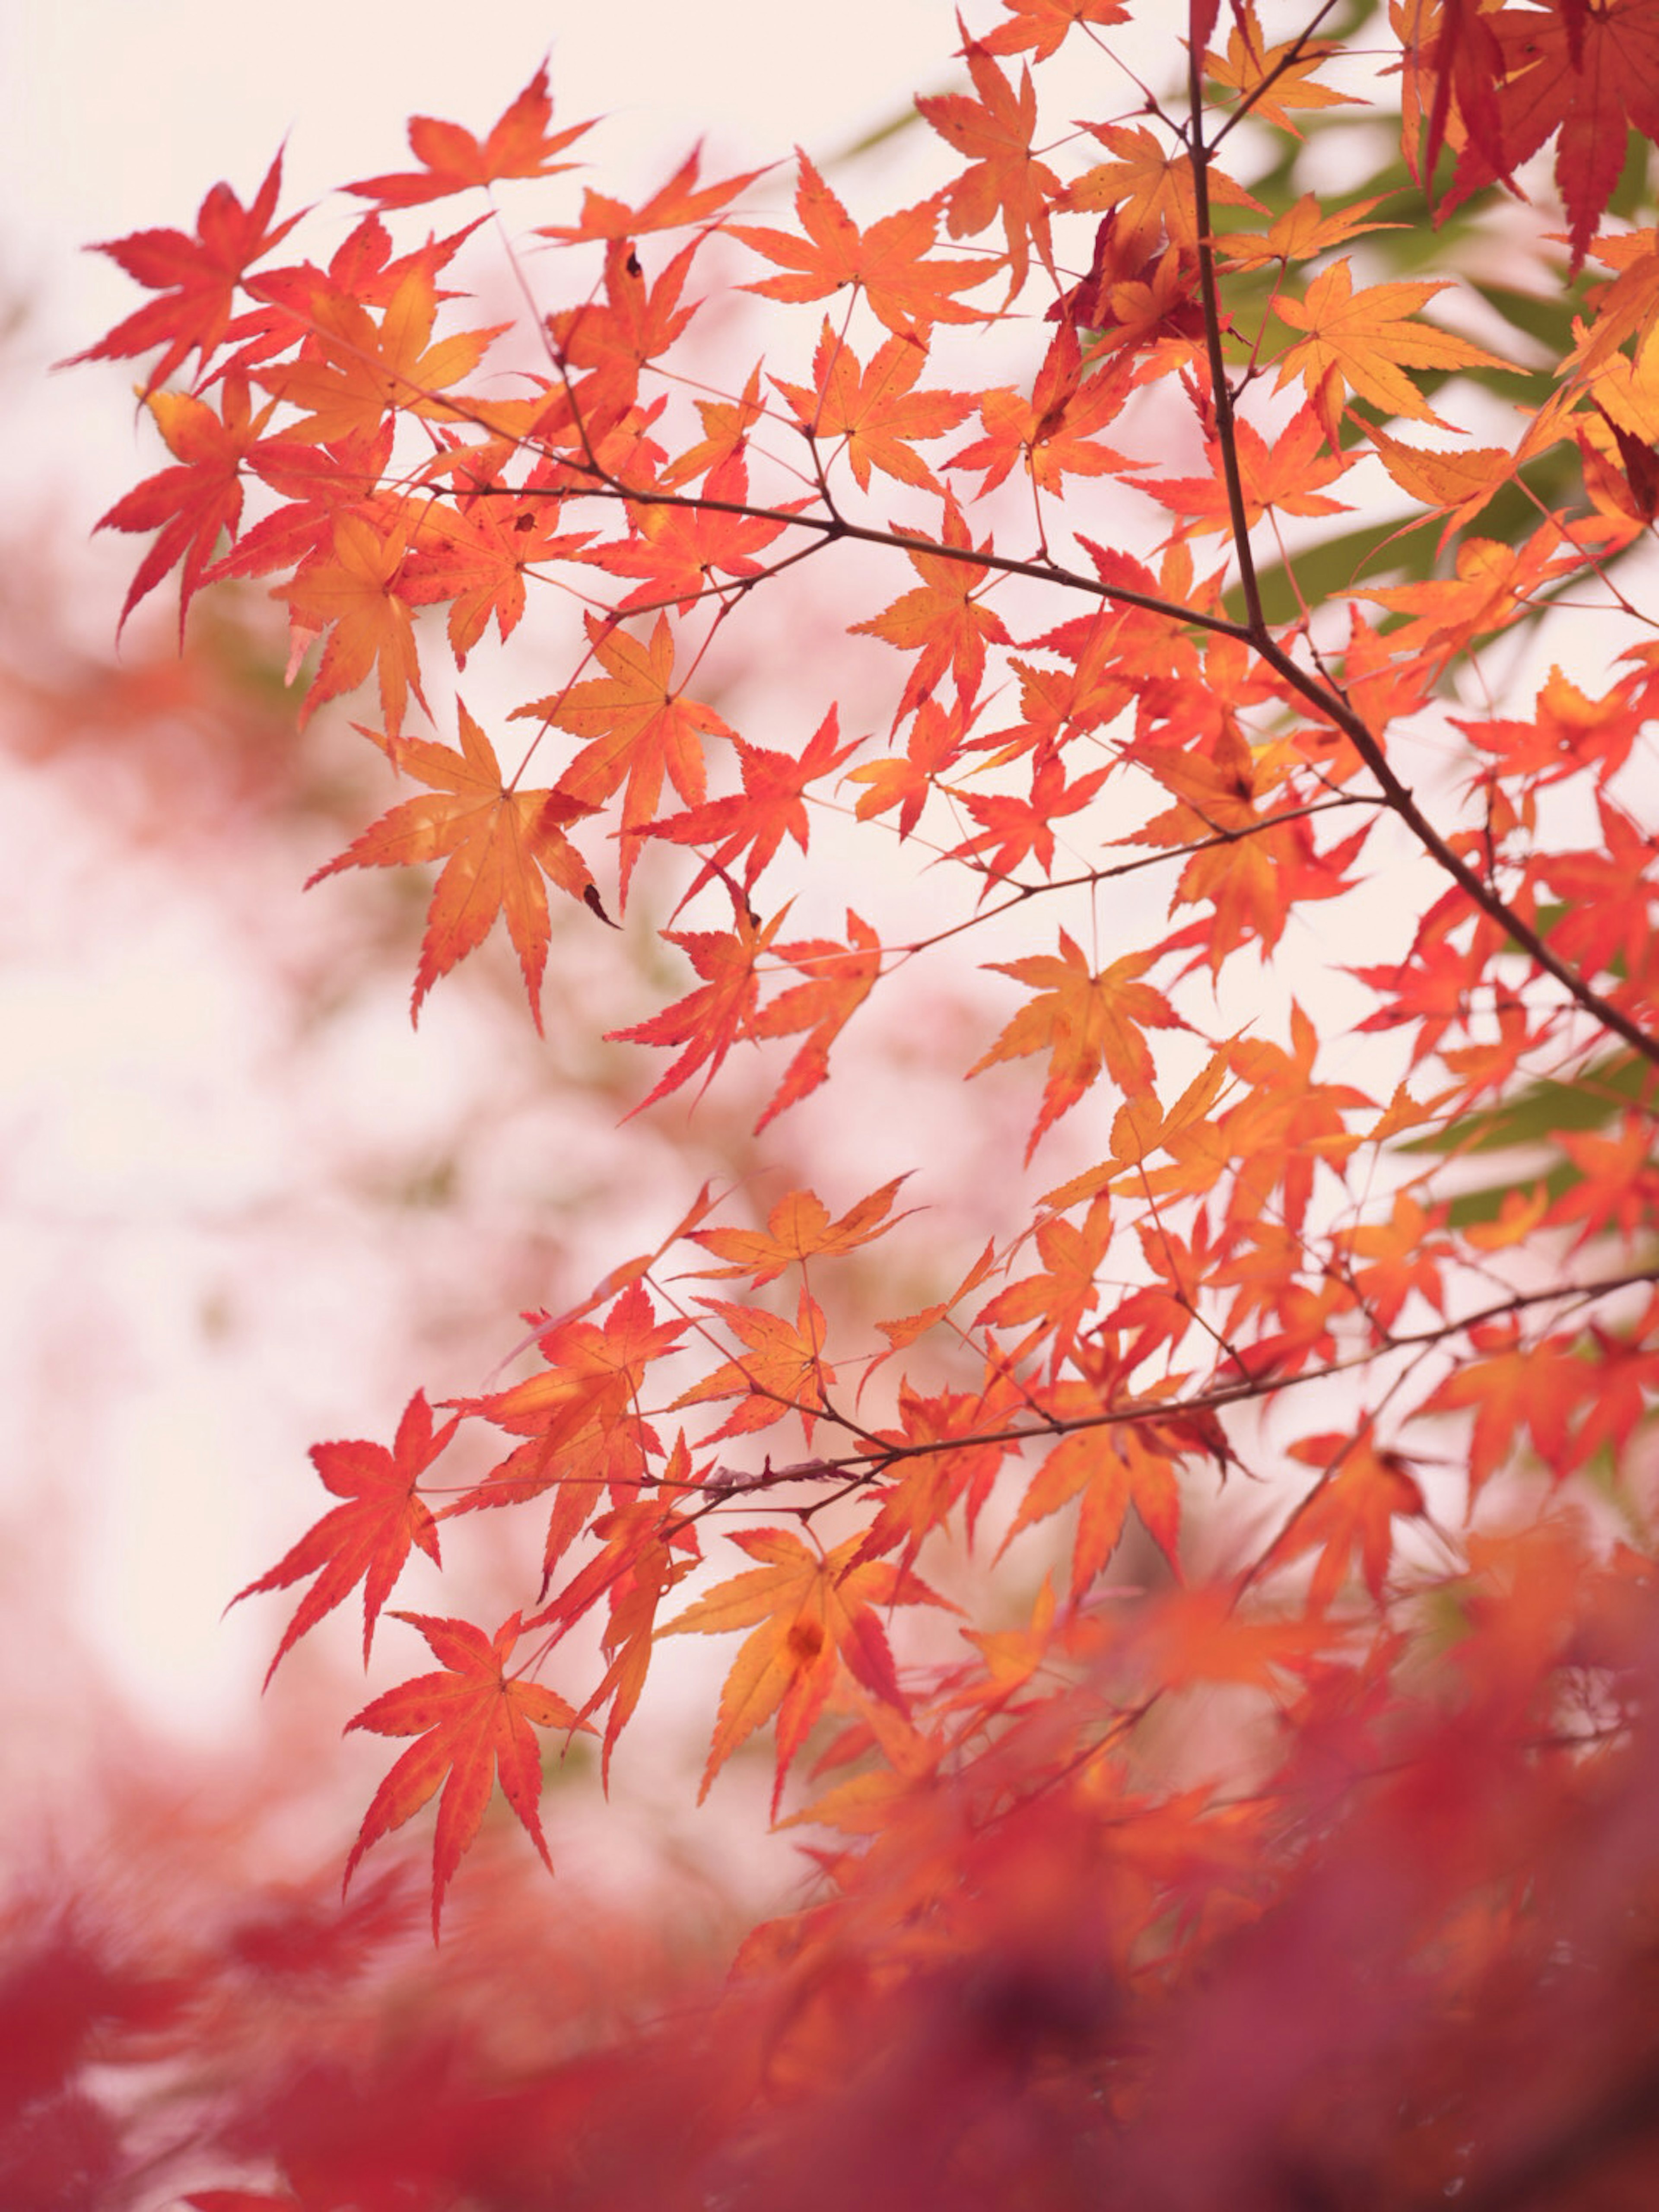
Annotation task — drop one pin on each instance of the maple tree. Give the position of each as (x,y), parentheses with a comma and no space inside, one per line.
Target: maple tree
(1209,1634)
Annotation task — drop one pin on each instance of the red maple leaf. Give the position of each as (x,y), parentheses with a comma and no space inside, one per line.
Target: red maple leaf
(521,144)
(771,806)
(680,201)
(191,505)
(708,1020)
(369,1537)
(475,1725)
(196,278)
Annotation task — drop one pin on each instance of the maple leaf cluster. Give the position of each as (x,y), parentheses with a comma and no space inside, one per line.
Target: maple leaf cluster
(1286,1399)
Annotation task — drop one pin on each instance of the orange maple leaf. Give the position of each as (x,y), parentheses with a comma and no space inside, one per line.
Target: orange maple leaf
(476,557)
(369,1537)
(680,201)
(1113,1468)
(839,978)
(581,1417)
(941,620)
(354,372)
(641,727)
(798,1229)
(1285,477)
(889,263)
(875,410)
(680,549)
(1086,1022)
(1005,177)
(782,1370)
(905,783)
(351,590)
(1051,434)
(1041,25)
(708,1020)
(475,1725)
(1367,340)
(771,806)
(497,845)
(810,1612)
(1271,80)
(1351,1513)
(521,144)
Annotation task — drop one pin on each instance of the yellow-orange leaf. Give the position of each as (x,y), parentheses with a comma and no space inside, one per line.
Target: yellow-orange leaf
(497,845)
(1086,1022)
(1369,339)
(807,1611)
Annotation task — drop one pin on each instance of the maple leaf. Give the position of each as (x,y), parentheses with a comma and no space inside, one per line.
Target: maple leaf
(1067,1287)
(810,1612)
(580,1415)
(678,202)
(1491,589)
(1149,189)
(875,410)
(1005,177)
(1509,1384)
(1271,80)
(475,1726)
(1041,25)
(1113,1468)
(1366,340)
(726,424)
(367,1538)
(839,978)
(476,557)
(1050,433)
(1086,1022)
(188,506)
(933,745)
(1304,231)
(889,262)
(1351,1512)
(782,1370)
(1285,477)
(637,321)
(1019,827)
(771,806)
(354,372)
(1591,74)
(1460,484)
(798,1229)
(496,844)
(679,548)
(521,144)
(196,278)
(708,1020)
(351,591)
(640,726)
(942,621)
